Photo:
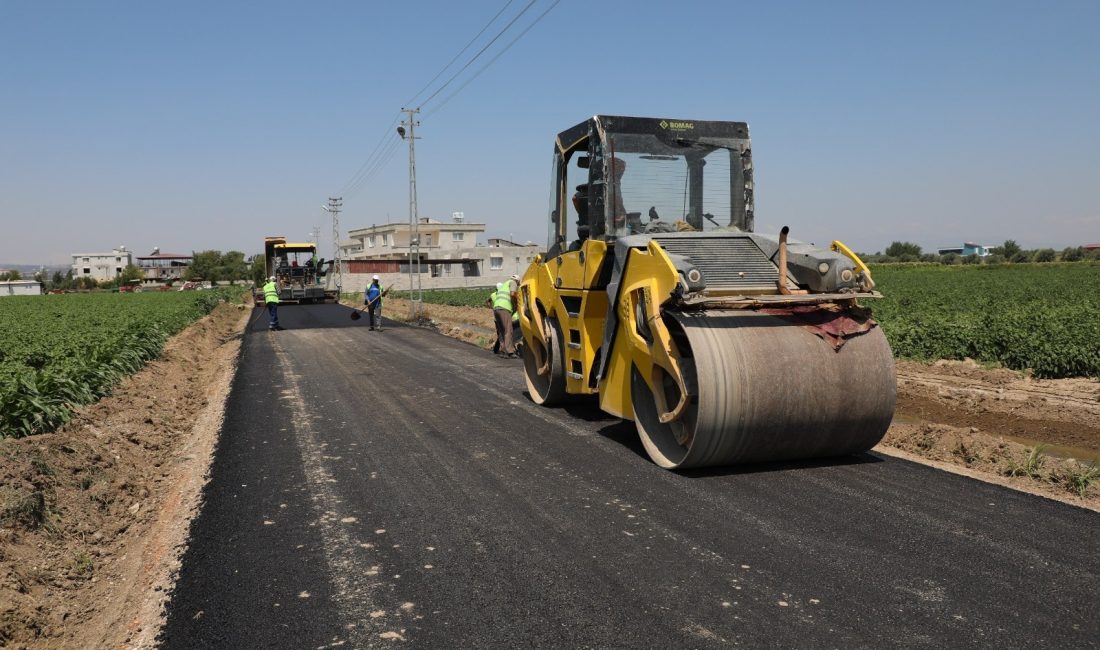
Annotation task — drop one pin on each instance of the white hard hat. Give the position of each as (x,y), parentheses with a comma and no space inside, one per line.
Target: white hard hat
(515,277)
(376,278)
(271,279)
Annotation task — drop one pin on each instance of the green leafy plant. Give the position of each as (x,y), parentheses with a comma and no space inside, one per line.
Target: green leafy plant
(1040,317)
(1032,466)
(61,351)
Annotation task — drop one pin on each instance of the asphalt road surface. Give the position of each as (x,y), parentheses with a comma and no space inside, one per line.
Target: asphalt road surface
(398,487)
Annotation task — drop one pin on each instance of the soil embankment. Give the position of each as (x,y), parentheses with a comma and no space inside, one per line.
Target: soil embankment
(95,515)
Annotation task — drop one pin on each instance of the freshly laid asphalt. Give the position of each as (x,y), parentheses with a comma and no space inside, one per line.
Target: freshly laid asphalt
(399,488)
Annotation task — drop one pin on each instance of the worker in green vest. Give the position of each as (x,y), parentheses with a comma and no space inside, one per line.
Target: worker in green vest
(504,301)
(271,299)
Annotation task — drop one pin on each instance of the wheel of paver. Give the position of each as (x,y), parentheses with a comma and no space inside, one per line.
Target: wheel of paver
(765,390)
(547,389)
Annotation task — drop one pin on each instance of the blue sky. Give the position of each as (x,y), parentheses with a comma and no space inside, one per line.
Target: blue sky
(201,125)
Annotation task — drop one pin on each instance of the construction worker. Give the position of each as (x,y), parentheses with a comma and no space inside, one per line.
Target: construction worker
(372,298)
(271,299)
(504,301)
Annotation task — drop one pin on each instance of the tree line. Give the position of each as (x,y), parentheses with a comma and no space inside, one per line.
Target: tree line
(212,265)
(1010,252)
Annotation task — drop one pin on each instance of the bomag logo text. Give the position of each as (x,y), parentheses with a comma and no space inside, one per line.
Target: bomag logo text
(677,126)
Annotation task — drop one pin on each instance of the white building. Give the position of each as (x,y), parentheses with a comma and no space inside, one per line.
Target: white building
(101,266)
(20,288)
(449,255)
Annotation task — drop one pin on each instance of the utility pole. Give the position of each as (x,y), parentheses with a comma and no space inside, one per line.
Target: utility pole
(333,207)
(414,218)
(316,234)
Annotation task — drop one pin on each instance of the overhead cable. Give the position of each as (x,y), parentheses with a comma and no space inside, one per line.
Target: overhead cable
(412,102)
(480,52)
(491,61)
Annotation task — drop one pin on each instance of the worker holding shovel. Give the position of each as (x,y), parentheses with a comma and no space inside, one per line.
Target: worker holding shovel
(372,297)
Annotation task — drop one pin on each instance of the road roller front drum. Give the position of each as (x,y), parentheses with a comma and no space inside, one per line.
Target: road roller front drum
(764,390)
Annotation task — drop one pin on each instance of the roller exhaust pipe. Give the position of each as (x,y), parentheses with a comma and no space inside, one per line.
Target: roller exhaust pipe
(781,281)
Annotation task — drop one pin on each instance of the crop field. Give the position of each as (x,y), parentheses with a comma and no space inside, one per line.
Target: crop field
(1043,317)
(61,351)
(452,297)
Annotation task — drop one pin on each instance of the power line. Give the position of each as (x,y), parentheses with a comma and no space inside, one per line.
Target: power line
(412,102)
(385,148)
(370,157)
(379,155)
(480,52)
(490,62)
(384,158)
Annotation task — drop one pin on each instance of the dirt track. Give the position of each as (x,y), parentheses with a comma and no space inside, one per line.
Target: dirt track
(88,565)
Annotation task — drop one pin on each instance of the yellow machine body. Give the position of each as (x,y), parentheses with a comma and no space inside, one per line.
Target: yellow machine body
(723,345)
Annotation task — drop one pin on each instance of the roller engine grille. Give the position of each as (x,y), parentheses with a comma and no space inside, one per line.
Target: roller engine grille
(725,262)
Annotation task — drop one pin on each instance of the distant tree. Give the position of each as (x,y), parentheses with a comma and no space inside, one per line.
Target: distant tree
(971,259)
(1073,254)
(259,270)
(1093,255)
(930,257)
(899,248)
(1010,248)
(232,266)
(1044,255)
(131,272)
(995,258)
(204,265)
(11,275)
(949,259)
(1020,257)
(57,281)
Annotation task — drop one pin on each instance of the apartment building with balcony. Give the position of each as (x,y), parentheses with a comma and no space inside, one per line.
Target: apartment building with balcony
(449,255)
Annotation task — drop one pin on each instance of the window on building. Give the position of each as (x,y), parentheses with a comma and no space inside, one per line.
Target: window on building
(85,260)
(370,241)
(457,236)
(118,260)
(87,271)
(496,262)
(118,270)
(447,269)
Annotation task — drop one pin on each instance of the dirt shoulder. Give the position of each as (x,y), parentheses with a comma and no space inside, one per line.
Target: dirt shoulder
(955,415)
(95,515)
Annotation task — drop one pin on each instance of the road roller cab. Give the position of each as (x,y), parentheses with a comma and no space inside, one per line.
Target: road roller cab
(723,345)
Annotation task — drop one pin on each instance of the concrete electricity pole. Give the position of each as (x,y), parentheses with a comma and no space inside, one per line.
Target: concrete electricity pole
(333,207)
(414,217)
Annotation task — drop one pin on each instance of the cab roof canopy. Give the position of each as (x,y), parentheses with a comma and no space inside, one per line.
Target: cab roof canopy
(307,247)
(663,127)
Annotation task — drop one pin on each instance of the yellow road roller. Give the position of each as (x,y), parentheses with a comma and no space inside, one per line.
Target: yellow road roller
(723,345)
